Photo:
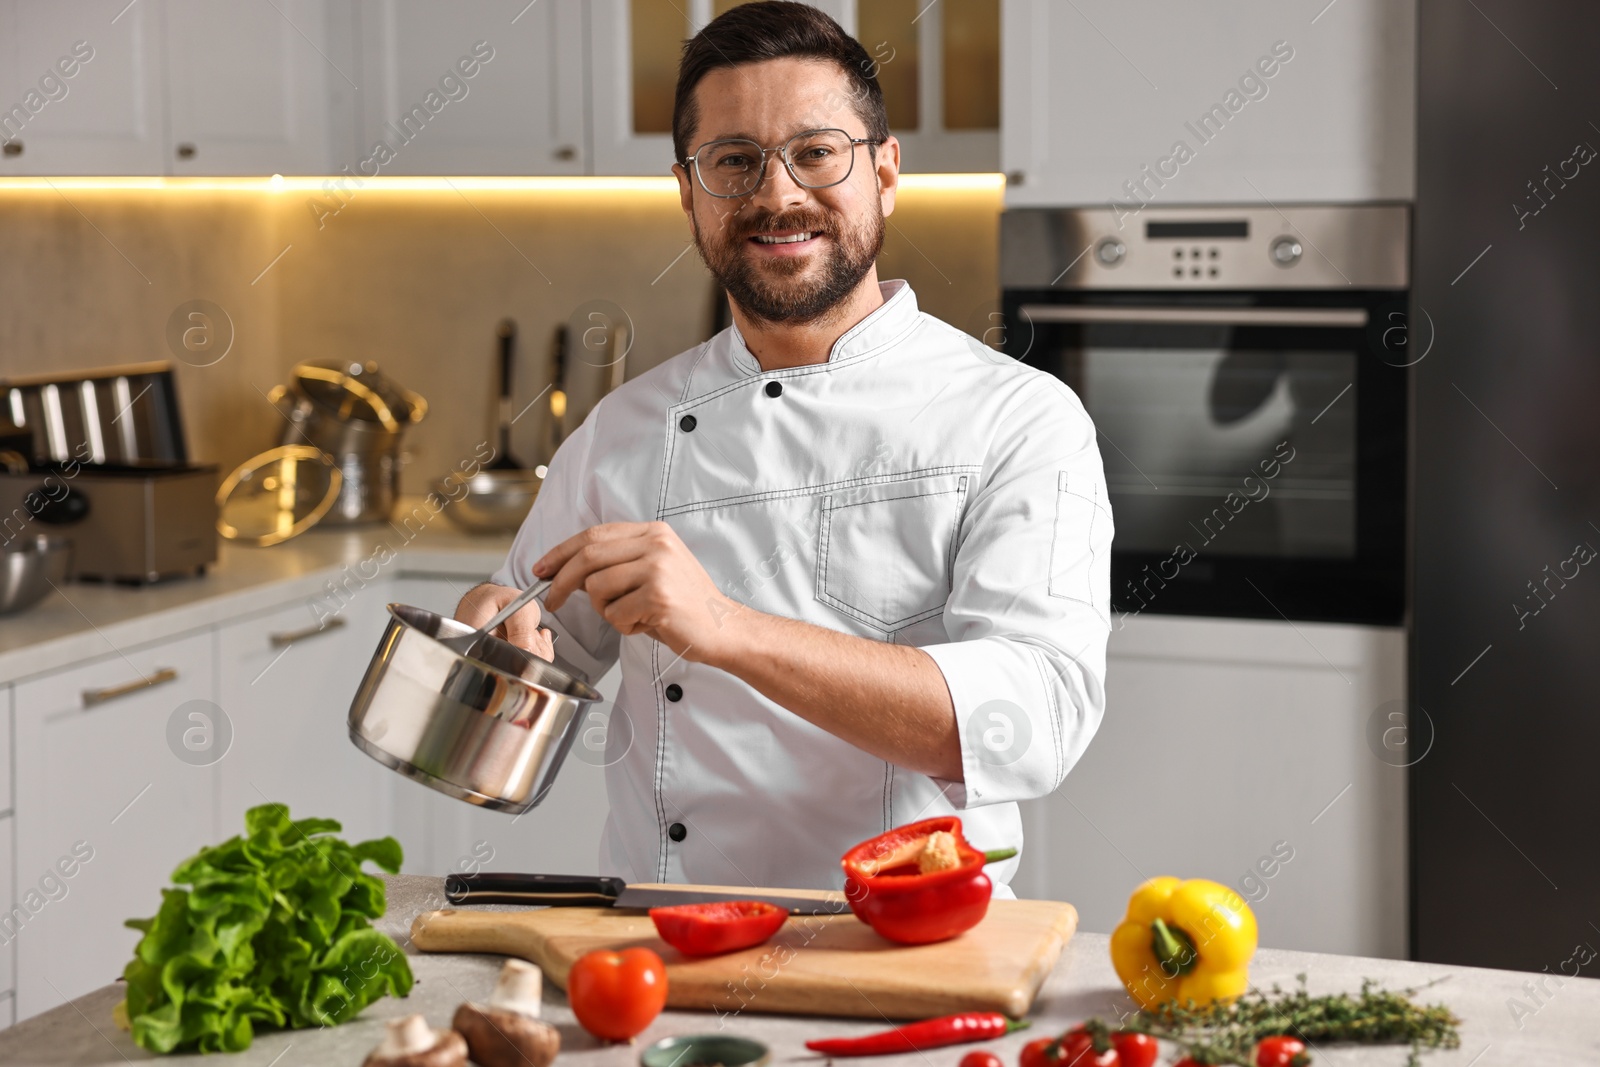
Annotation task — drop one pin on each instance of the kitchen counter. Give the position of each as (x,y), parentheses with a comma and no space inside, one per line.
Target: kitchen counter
(86,620)
(1561,1025)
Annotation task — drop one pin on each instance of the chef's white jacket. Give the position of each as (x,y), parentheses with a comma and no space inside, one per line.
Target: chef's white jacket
(917,488)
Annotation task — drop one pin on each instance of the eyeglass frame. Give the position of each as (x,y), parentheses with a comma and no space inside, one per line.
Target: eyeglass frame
(782,152)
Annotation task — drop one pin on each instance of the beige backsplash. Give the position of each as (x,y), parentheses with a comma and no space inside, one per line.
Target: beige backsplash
(414,278)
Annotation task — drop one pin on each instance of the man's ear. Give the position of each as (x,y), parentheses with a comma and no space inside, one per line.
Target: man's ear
(888,173)
(685,188)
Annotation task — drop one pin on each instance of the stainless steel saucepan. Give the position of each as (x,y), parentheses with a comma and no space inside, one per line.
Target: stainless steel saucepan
(492,729)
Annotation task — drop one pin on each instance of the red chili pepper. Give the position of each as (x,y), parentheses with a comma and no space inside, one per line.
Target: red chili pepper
(929,1033)
(723,926)
(889,890)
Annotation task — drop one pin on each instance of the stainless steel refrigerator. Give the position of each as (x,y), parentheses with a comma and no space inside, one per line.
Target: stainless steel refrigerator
(1504,722)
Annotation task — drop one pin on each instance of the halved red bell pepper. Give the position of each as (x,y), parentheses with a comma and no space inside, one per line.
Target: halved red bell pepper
(722,926)
(921,882)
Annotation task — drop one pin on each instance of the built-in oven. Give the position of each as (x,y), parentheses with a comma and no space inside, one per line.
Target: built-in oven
(1246,370)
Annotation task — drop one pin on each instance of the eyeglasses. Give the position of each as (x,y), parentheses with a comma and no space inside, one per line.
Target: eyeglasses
(815,159)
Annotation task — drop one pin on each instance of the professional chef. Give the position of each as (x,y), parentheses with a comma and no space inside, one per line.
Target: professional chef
(855,564)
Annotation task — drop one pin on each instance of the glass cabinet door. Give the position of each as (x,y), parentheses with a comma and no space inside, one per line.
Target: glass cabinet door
(938,63)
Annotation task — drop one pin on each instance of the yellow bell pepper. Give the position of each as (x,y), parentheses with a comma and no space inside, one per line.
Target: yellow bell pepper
(1184,941)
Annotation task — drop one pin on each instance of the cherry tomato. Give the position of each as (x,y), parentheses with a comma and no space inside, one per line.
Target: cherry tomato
(981,1059)
(1281,1051)
(1077,1050)
(615,995)
(1135,1050)
(1040,1052)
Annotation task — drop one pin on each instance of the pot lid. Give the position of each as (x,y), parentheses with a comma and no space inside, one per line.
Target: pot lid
(351,390)
(277,494)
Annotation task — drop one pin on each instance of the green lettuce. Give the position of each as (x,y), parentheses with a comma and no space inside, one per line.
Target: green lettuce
(273,931)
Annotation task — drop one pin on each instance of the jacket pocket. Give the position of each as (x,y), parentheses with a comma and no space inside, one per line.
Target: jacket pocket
(1082,531)
(885,551)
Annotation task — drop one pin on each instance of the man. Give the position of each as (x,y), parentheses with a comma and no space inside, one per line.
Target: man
(855,564)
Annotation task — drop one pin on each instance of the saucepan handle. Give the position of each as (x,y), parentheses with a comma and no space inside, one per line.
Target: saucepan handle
(554,890)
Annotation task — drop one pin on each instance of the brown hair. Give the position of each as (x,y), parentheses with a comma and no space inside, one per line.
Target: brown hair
(774,29)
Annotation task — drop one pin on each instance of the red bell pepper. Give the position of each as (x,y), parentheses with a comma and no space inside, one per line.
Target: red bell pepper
(919,883)
(723,926)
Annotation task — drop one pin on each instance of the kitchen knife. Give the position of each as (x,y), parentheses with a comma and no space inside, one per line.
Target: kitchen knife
(573,890)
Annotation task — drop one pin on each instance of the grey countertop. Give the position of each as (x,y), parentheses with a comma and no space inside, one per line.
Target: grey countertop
(85,620)
(1563,1027)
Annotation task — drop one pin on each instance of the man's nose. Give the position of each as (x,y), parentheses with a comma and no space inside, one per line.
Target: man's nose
(778,189)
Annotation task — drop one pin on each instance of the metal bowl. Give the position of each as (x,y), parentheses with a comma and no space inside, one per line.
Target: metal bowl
(28,566)
(490,501)
(491,730)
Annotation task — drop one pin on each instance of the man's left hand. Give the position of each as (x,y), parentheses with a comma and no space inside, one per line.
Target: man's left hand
(642,579)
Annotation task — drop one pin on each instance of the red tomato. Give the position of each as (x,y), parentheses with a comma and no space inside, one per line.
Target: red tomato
(1281,1051)
(1040,1052)
(615,995)
(724,926)
(1077,1050)
(981,1059)
(1135,1050)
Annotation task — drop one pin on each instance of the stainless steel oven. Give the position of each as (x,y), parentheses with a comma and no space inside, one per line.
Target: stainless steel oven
(1246,369)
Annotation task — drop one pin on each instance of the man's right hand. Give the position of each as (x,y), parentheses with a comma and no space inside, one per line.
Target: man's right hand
(522,629)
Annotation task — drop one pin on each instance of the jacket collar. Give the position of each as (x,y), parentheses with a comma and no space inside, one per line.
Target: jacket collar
(887,324)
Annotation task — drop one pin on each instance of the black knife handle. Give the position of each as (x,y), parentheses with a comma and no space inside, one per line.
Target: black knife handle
(554,890)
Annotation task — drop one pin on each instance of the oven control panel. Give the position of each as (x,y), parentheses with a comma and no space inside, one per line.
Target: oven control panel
(1208,248)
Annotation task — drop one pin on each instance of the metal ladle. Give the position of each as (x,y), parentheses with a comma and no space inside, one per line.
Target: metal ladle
(467,644)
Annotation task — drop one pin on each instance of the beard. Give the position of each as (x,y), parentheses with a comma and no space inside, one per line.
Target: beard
(793,290)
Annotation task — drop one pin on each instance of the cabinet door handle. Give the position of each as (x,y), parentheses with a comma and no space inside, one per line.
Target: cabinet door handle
(12,149)
(289,637)
(91,697)
(1332,318)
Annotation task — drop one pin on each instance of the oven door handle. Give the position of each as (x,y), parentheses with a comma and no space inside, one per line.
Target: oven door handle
(1199,316)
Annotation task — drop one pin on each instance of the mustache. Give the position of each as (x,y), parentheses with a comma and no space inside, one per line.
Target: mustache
(811,221)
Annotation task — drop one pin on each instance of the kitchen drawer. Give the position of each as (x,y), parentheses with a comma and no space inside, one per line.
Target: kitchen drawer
(287,677)
(112,794)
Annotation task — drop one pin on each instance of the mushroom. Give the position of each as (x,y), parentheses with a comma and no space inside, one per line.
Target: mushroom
(507,1032)
(411,1042)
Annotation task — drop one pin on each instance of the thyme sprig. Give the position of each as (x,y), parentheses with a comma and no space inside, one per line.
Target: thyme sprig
(1228,1033)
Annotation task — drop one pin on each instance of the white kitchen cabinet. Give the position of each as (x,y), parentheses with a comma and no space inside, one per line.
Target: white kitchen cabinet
(1097,95)
(254,88)
(106,808)
(6,799)
(8,952)
(471,87)
(104,117)
(1227,743)
(286,678)
(8,899)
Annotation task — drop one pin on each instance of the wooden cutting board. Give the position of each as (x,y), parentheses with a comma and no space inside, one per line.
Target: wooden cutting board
(814,965)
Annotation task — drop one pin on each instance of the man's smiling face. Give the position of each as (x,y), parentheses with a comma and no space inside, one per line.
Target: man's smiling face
(749,242)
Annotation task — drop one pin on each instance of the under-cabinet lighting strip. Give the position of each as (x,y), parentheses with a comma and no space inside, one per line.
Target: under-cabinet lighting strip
(278,183)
